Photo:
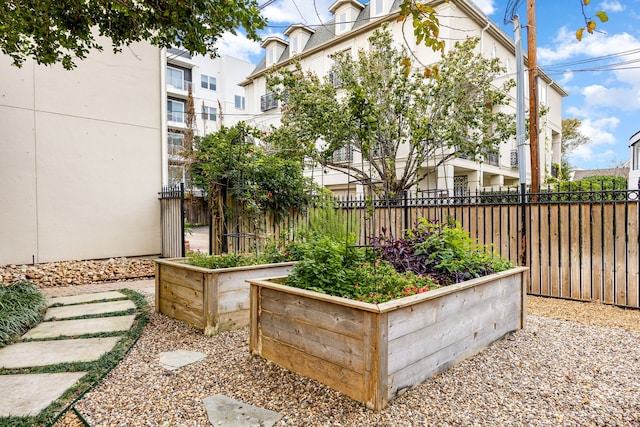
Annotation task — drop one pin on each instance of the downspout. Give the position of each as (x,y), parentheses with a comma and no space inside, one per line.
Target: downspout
(482,38)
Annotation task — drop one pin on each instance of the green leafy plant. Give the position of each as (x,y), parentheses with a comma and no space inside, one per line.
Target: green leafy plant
(21,307)
(272,253)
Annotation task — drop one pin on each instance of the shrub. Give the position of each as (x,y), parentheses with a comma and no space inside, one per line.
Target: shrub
(273,252)
(445,252)
(21,307)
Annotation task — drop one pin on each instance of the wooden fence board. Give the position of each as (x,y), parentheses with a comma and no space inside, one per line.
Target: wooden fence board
(620,255)
(564,255)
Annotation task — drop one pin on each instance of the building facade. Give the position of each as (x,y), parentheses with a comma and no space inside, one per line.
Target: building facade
(217,100)
(633,183)
(350,29)
(80,157)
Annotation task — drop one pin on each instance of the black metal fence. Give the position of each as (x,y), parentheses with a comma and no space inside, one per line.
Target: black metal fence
(172,221)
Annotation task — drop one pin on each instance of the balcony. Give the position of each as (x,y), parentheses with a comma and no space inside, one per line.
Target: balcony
(180,85)
(343,155)
(514,158)
(268,102)
(492,159)
(176,116)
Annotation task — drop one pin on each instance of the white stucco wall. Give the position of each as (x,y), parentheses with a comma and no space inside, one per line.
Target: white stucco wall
(80,158)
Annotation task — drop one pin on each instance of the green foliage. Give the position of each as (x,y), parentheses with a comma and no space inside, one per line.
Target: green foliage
(260,180)
(425,23)
(21,307)
(379,282)
(273,252)
(453,253)
(326,264)
(325,218)
(384,106)
(337,268)
(52,31)
(595,183)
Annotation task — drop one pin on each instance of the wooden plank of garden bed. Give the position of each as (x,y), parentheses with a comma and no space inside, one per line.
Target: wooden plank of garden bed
(410,348)
(182,277)
(182,295)
(443,358)
(342,350)
(335,376)
(180,312)
(325,315)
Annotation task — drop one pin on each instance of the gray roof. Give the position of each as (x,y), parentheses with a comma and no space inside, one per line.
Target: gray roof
(581,174)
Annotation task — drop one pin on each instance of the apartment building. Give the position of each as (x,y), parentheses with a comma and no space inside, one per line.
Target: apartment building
(217,100)
(80,157)
(352,24)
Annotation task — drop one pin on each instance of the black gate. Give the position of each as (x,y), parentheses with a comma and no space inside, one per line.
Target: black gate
(172,220)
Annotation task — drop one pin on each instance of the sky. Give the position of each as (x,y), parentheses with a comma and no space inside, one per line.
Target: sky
(601,73)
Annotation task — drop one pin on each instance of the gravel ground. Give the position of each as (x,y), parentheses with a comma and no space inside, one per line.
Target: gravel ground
(574,364)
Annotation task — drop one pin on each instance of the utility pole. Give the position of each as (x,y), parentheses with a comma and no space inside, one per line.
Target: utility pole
(533,96)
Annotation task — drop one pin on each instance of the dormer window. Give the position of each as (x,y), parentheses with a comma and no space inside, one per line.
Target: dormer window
(274,47)
(294,45)
(346,13)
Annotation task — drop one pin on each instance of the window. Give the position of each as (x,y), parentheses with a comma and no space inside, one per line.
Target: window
(208,82)
(239,102)
(342,22)
(175,141)
(209,113)
(378,6)
(268,102)
(175,78)
(294,45)
(635,164)
(175,111)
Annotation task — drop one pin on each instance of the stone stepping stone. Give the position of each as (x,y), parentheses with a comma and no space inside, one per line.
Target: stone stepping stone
(172,360)
(226,412)
(70,328)
(84,298)
(43,353)
(27,395)
(88,309)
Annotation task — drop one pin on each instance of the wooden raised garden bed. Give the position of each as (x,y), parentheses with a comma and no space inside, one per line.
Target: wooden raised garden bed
(212,300)
(372,352)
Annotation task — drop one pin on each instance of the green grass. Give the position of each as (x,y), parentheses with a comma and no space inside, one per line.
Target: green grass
(22,306)
(96,371)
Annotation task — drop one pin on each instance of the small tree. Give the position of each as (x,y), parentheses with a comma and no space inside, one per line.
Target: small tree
(399,119)
(572,138)
(234,168)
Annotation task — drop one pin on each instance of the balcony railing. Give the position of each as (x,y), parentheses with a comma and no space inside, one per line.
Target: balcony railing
(492,159)
(268,102)
(514,158)
(344,154)
(179,84)
(176,116)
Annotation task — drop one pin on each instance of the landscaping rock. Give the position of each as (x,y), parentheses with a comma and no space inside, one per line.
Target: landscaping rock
(68,273)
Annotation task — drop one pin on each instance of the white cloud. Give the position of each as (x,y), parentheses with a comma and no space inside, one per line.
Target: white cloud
(238,46)
(612,6)
(623,98)
(487,6)
(298,11)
